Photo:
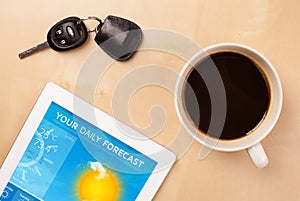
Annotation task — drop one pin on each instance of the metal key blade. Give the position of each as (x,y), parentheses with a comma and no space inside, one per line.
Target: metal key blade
(33,50)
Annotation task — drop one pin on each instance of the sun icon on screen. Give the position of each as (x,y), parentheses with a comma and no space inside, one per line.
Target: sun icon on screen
(98,184)
(5,195)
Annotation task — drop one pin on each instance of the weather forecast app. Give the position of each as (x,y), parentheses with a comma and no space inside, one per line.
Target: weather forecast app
(71,159)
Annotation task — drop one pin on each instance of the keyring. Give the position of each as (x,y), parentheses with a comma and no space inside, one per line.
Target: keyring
(96,29)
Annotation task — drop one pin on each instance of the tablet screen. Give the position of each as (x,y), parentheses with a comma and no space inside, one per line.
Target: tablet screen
(70,159)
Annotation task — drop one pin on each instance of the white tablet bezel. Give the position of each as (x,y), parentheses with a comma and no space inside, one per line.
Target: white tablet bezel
(53,93)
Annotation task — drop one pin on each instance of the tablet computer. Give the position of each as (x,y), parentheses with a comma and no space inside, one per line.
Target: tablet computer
(69,150)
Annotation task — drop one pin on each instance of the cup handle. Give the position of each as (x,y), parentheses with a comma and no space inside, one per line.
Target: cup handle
(258,155)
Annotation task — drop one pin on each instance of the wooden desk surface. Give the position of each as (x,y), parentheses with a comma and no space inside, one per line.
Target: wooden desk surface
(271,27)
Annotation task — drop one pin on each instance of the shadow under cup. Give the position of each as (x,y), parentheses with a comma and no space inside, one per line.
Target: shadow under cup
(245,94)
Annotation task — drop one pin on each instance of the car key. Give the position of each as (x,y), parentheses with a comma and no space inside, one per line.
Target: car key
(66,34)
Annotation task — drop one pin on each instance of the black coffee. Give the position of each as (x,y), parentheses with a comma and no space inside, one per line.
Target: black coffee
(246,91)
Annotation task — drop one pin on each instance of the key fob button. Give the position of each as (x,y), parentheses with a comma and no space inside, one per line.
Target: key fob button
(63,41)
(58,32)
(70,32)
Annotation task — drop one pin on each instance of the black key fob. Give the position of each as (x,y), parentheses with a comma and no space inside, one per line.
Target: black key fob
(119,37)
(67,34)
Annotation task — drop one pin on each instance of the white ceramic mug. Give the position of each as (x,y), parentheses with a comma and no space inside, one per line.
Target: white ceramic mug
(250,142)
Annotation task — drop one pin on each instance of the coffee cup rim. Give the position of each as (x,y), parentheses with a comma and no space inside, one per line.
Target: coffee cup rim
(268,122)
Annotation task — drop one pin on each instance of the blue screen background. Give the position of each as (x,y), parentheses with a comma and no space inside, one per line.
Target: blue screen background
(58,155)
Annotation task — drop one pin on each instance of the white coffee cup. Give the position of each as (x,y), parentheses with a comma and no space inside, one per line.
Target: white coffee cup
(252,141)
